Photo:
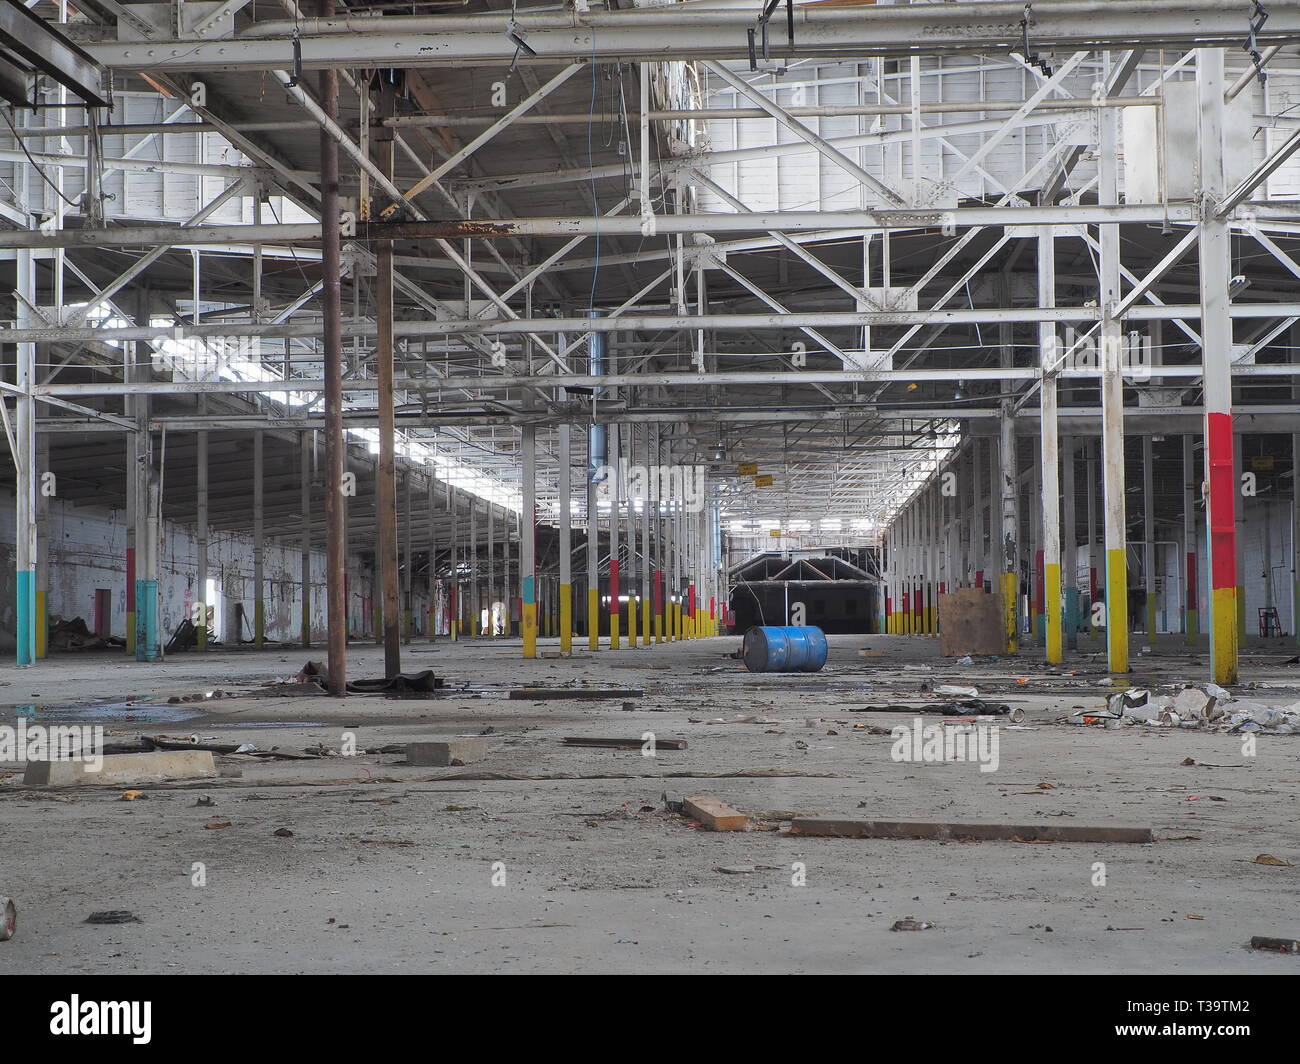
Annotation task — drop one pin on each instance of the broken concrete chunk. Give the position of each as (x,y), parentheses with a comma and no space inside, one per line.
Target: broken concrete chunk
(1191,704)
(123,769)
(956,689)
(441,754)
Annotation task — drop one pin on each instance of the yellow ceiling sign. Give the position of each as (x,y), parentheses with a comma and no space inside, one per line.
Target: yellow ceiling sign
(747,469)
(765,481)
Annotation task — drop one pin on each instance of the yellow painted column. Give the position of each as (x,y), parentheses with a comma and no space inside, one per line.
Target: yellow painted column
(631,619)
(1117,609)
(1052,604)
(645,619)
(593,619)
(530,629)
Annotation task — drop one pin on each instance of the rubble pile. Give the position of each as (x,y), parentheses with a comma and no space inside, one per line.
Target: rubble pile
(1205,706)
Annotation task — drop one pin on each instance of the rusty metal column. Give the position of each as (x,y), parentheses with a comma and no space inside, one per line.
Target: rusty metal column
(335,447)
(1216,354)
(385,471)
(407,619)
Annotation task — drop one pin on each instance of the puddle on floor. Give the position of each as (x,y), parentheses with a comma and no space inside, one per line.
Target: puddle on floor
(126,712)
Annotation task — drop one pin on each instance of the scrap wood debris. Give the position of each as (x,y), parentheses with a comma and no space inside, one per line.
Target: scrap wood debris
(74,635)
(539,694)
(623,744)
(975,706)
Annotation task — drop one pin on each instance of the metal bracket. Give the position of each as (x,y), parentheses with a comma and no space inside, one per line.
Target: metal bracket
(1025,50)
(1258,16)
(296,74)
(761,28)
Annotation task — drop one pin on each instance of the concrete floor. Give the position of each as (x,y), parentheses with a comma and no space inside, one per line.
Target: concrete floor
(390,868)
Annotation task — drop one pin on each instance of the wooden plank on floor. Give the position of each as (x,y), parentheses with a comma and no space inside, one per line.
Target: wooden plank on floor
(623,744)
(714,814)
(943,829)
(538,694)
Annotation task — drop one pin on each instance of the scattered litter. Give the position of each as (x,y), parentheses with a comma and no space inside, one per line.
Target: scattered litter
(1275,945)
(204,800)
(217,825)
(911,925)
(313,679)
(1269,859)
(957,690)
(736,869)
(282,833)
(1206,707)
(113,916)
(967,660)
(131,796)
(733,720)
(8,919)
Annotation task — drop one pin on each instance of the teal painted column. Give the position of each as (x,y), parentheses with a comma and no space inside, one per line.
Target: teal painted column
(26,619)
(1071,600)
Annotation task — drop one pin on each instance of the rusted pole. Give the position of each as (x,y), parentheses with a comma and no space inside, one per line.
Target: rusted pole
(335,452)
(386,489)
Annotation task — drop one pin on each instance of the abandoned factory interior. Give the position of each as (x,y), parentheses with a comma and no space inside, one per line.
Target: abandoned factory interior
(649,487)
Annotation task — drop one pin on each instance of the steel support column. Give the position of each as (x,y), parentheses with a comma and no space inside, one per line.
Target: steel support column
(26,614)
(1216,356)
(1051,494)
(259,548)
(528,541)
(566,541)
(1112,406)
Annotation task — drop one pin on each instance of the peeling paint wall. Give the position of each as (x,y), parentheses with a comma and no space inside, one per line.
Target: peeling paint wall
(87,550)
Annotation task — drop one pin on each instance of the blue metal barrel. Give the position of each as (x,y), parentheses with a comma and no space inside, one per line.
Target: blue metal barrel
(784,649)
